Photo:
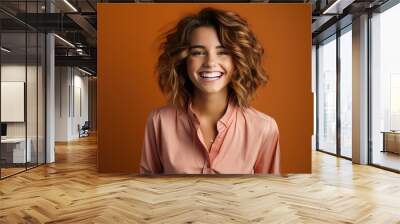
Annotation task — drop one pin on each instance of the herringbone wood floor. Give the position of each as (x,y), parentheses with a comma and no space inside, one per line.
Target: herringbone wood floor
(71,191)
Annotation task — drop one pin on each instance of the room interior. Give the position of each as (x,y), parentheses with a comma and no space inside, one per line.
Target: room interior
(49,163)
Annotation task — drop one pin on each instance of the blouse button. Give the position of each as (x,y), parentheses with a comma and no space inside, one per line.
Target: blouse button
(207,170)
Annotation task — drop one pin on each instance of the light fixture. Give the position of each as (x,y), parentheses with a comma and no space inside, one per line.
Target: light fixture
(79,51)
(84,71)
(337,7)
(5,50)
(70,5)
(65,41)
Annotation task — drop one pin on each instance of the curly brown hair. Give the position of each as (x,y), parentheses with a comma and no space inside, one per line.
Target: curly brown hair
(235,36)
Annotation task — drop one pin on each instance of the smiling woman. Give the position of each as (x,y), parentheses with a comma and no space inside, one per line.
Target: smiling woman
(210,67)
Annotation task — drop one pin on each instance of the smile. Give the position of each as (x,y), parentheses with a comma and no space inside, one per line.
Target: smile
(211,75)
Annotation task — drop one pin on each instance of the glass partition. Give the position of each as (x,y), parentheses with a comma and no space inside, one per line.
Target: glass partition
(385,89)
(32,95)
(22,88)
(346,93)
(327,96)
(41,87)
(14,154)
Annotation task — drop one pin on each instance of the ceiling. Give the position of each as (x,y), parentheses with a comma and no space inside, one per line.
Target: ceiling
(76,22)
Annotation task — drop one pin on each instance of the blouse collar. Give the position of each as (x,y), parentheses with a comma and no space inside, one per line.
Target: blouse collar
(226,119)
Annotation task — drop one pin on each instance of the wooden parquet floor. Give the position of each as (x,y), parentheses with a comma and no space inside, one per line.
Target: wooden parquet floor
(71,191)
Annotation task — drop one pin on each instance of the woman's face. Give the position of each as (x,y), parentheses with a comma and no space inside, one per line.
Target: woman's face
(209,65)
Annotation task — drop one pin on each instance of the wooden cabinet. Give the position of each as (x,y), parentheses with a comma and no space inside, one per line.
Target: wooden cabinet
(391,141)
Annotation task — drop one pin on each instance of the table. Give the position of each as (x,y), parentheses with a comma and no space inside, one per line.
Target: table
(13,150)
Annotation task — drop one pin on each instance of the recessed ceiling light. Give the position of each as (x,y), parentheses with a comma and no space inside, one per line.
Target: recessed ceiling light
(70,5)
(338,6)
(5,50)
(84,71)
(64,40)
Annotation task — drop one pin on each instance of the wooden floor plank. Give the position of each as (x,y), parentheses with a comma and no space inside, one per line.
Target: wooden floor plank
(72,191)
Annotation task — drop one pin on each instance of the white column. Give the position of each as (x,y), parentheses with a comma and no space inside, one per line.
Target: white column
(360,90)
(50,100)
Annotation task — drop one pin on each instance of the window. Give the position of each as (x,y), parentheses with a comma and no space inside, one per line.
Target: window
(327,95)
(346,93)
(385,88)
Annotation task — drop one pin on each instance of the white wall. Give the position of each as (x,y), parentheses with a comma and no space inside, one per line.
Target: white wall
(71,87)
(33,127)
(62,80)
(79,117)
(16,73)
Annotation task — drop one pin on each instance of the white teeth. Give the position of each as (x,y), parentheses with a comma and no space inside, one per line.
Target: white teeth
(210,75)
(211,78)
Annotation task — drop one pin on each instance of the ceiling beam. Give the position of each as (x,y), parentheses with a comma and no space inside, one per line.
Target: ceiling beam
(84,24)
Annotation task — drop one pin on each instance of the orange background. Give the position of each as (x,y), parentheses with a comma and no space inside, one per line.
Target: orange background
(127,87)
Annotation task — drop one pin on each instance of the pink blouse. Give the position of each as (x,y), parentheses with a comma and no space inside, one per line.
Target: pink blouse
(247,142)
